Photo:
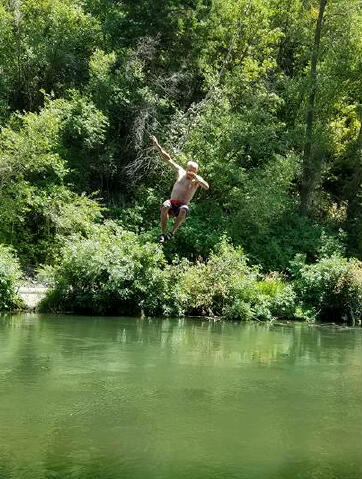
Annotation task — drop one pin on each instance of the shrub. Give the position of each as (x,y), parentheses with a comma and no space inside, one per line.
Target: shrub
(278,295)
(10,275)
(227,286)
(332,287)
(37,199)
(264,298)
(112,271)
(239,310)
(207,286)
(109,271)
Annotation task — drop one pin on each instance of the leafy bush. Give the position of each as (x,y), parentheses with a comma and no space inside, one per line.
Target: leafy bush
(37,200)
(227,286)
(112,271)
(10,275)
(208,286)
(332,287)
(109,271)
(257,297)
(331,244)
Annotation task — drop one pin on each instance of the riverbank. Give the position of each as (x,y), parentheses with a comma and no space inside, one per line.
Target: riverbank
(31,294)
(113,272)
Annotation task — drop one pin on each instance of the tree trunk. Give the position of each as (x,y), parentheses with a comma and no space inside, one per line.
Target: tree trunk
(354,208)
(311,168)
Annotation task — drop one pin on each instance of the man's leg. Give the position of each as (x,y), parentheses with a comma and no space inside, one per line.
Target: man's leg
(180,219)
(164,215)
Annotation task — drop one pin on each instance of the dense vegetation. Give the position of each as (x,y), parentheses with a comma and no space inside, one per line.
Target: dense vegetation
(10,275)
(265,95)
(113,271)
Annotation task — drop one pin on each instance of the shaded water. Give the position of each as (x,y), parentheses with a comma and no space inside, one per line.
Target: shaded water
(117,398)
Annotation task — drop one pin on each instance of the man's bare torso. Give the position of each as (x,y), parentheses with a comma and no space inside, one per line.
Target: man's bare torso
(184,189)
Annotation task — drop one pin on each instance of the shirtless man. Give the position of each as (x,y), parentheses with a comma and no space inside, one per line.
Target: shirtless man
(182,192)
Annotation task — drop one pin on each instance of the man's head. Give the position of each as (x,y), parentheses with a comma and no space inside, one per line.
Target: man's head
(191,169)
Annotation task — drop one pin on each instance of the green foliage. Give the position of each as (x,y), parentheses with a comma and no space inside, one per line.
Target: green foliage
(112,271)
(246,291)
(10,275)
(332,244)
(227,286)
(109,271)
(332,287)
(83,131)
(46,45)
(37,203)
(208,286)
(83,83)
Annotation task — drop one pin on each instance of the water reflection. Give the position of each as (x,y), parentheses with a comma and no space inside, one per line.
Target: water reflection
(118,397)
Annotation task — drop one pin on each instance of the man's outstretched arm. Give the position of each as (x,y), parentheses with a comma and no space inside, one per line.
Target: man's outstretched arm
(165,156)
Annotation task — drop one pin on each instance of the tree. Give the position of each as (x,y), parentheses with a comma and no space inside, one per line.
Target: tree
(311,164)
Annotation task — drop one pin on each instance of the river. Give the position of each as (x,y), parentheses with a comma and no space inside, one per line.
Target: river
(110,398)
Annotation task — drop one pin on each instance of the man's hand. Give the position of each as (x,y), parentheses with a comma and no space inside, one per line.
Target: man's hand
(165,156)
(191,175)
(195,178)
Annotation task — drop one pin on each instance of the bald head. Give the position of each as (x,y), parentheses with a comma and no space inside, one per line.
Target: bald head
(191,169)
(192,166)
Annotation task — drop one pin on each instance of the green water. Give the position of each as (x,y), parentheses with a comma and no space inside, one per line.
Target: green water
(122,398)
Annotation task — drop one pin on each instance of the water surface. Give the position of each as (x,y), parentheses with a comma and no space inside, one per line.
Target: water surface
(109,398)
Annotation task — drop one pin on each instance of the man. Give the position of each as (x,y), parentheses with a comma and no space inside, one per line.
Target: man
(182,192)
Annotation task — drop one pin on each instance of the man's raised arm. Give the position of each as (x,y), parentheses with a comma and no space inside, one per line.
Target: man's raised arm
(165,156)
